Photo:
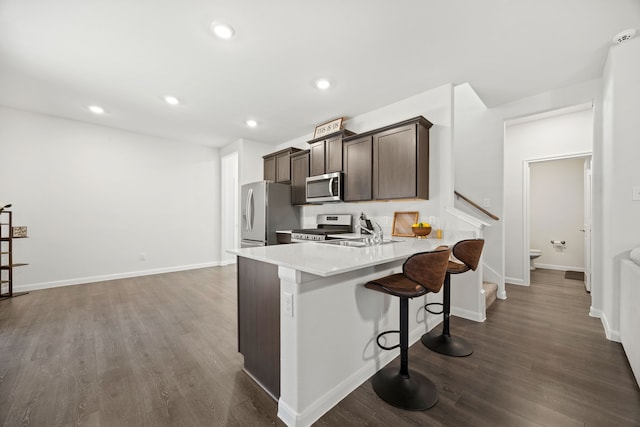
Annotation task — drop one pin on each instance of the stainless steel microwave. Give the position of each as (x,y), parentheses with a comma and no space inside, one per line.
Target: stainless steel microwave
(324,188)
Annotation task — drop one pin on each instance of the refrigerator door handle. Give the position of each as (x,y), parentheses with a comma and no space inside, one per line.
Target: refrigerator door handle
(251,208)
(245,213)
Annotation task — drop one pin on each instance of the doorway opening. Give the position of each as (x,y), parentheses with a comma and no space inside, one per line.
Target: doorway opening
(557,215)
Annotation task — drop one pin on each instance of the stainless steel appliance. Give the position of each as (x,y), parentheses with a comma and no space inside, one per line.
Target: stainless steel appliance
(266,207)
(327,224)
(324,188)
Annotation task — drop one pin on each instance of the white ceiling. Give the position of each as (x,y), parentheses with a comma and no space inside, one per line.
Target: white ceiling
(57,57)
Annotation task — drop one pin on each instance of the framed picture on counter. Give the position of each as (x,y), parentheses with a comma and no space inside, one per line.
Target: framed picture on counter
(402,222)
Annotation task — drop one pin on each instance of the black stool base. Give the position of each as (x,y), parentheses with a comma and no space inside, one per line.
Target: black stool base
(415,393)
(446,344)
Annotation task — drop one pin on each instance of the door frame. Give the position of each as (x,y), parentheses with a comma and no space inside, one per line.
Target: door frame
(526,208)
(588,222)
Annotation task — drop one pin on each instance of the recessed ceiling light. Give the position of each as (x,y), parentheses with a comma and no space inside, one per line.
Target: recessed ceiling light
(222,31)
(323,84)
(251,123)
(171,100)
(96,109)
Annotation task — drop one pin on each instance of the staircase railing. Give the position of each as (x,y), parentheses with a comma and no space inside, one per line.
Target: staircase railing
(477,206)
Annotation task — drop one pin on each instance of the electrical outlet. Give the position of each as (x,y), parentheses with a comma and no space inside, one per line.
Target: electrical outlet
(636,193)
(142,256)
(287,304)
(486,203)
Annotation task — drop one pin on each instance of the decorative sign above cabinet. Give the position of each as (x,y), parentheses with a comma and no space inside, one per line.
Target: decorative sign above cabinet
(330,127)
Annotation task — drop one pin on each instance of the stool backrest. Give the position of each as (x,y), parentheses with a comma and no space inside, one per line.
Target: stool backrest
(469,251)
(428,268)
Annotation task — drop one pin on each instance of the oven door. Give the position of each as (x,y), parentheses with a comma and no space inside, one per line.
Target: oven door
(324,188)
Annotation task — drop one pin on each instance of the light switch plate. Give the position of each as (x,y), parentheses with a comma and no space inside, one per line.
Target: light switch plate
(636,193)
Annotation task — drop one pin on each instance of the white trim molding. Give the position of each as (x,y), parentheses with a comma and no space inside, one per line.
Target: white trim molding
(611,334)
(514,281)
(106,277)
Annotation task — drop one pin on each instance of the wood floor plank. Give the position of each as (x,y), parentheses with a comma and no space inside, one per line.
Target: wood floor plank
(162,351)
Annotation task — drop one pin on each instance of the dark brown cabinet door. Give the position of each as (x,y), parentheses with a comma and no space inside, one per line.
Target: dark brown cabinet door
(269,173)
(333,154)
(357,169)
(283,167)
(394,163)
(317,158)
(299,174)
(401,161)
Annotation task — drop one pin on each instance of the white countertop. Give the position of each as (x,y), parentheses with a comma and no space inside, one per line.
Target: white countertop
(328,260)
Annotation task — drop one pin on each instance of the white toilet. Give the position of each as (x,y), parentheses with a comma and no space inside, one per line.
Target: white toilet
(533,254)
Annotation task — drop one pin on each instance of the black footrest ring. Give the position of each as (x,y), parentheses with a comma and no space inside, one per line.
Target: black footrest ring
(426,307)
(384,333)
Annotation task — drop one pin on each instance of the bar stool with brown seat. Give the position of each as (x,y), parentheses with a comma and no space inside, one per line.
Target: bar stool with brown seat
(467,254)
(421,273)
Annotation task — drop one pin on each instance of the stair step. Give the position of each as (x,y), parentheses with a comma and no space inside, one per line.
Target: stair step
(491,292)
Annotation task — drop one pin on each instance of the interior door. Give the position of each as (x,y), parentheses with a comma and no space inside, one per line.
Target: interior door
(587,224)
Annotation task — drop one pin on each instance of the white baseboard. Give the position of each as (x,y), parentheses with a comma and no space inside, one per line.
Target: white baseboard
(514,281)
(559,267)
(227,262)
(468,314)
(105,277)
(611,334)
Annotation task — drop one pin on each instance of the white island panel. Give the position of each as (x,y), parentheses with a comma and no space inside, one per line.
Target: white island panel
(328,347)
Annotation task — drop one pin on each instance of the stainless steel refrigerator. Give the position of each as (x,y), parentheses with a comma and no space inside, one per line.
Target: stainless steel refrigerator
(266,207)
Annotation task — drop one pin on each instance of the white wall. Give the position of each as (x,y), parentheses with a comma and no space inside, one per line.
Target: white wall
(229,206)
(95,198)
(557,213)
(563,135)
(250,162)
(477,168)
(620,151)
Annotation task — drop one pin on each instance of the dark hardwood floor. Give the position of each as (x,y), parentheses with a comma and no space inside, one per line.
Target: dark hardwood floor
(162,351)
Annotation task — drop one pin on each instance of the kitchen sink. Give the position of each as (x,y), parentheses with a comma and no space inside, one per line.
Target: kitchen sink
(354,243)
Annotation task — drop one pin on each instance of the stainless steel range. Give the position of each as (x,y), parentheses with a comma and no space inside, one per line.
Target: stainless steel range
(326,224)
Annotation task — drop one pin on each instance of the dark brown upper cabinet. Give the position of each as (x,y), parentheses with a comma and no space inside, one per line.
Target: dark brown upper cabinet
(401,161)
(277,166)
(357,154)
(398,162)
(299,174)
(326,153)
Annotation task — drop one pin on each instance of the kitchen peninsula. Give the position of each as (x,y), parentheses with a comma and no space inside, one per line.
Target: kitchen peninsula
(311,298)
